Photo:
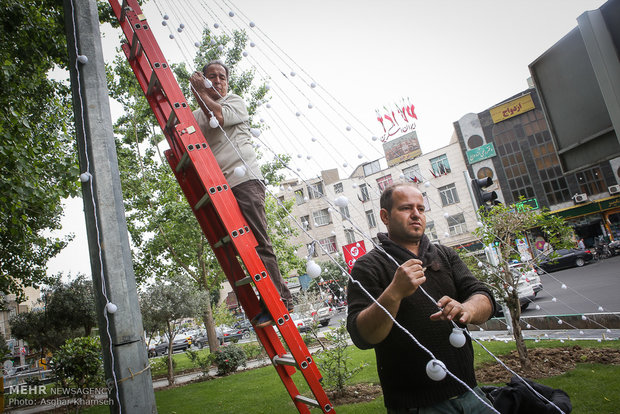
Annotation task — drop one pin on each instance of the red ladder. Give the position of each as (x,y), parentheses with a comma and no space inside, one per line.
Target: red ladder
(215,206)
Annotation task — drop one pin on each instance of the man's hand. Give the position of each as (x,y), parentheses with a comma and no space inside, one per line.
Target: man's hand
(198,82)
(406,280)
(451,309)
(477,309)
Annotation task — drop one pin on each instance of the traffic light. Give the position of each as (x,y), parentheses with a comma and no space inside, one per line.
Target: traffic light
(485,199)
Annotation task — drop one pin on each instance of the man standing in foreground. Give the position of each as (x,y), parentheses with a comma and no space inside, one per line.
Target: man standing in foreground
(462,298)
(231,114)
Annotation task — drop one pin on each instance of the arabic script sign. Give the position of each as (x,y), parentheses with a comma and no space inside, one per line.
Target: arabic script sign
(481,153)
(513,108)
(399,121)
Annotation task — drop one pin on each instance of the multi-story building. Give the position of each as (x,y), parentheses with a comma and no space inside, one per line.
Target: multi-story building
(11,307)
(450,214)
(511,143)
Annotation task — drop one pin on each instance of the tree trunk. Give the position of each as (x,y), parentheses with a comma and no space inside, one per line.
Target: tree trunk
(170,367)
(207,317)
(515,314)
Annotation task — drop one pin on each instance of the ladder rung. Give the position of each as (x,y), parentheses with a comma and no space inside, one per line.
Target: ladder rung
(204,200)
(183,162)
(286,359)
(135,47)
(246,280)
(153,83)
(172,120)
(222,241)
(307,401)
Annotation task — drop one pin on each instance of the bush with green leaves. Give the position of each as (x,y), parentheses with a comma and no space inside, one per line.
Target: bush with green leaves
(79,363)
(253,350)
(229,358)
(334,362)
(202,359)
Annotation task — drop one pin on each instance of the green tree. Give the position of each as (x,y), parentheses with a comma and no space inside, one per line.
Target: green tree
(67,311)
(166,303)
(38,162)
(502,226)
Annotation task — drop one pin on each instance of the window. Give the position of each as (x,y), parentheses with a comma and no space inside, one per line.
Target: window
(312,250)
(338,188)
(345,212)
(440,165)
(413,173)
(321,217)
(349,235)
(370,216)
(328,245)
(371,168)
(448,195)
(305,222)
(384,182)
(364,192)
(315,190)
(299,196)
(591,181)
(430,231)
(427,204)
(456,224)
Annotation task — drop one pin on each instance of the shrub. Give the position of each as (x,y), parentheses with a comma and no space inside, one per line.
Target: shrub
(253,350)
(201,360)
(334,361)
(228,359)
(79,363)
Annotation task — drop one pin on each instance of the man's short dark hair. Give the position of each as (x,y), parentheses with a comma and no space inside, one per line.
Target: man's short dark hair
(386,201)
(215,62)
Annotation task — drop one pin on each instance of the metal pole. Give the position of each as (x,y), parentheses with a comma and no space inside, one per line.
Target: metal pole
(126,364)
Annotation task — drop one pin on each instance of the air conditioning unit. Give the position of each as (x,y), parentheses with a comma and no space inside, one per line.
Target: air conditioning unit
(580,198)
(614,189)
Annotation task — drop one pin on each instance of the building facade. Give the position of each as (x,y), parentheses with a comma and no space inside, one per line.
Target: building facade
(511,143)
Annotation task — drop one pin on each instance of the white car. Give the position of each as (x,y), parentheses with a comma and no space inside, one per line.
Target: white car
(529,275)
(303,323)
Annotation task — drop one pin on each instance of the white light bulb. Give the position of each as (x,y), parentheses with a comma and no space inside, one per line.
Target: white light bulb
(220,48)
(268,105)
(298,114)
(252,24)
(341,201)
(293,73)
(245,54)
(528,326)
(299,156)
(580,332)
(83,59)
(446,234)
(480,264)
(353,185)
(600,309)
(85,177)
(374,138)
(197,44)
(298,169)
(213,122)
(267,86)
(182,26)
(306,199)
(216,25)
(240,171)
(164,23)
(313,85)
(348,127)
(436,370)
(277,224)
(446,215)
(554,300)
(111,308)
(583,317)
(479,224)
(166,17)
(457,338)
(212,42)
(179,30)
(255,132)
(345,165)
(313,269)
(564,286)
(360,156)
(171,36)
(560,322)
(208,83)
(252,44)
(310,106)
(308,157)
(313,139)
(537,307)
(231,14)
(427,184)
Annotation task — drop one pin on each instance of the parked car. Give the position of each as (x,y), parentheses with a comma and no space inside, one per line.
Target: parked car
(223,334)
(245,326)
(526,271)
(302,322)
(322,313)
(180,343)
(565,258)
(526,296)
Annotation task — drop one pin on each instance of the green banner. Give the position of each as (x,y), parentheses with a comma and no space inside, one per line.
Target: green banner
(481,153)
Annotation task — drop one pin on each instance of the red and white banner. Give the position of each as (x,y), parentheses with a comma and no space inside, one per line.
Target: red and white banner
(352,252)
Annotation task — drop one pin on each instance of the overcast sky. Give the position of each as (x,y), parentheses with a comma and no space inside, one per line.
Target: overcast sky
(448,58)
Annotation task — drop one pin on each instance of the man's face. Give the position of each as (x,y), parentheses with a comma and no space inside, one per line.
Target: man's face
(406,221)
(217,75)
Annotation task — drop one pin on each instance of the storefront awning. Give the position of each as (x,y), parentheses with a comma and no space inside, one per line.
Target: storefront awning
(592,207)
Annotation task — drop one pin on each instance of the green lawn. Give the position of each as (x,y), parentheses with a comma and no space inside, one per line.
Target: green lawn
(593,388)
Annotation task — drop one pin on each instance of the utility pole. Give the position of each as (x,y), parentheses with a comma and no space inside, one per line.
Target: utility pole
(128,375)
